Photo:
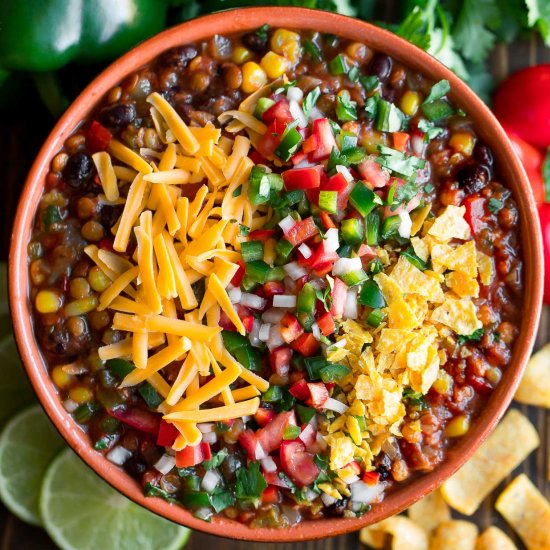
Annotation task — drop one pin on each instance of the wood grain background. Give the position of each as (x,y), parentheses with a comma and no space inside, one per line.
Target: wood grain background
(22,131)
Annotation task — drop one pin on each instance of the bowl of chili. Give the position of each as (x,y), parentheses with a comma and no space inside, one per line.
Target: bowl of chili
(331,237)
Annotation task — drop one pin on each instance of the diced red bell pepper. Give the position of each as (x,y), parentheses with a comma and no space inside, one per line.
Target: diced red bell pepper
(476,211)
(225,322)
(167,434)
(271,435)
(248,322)
(339,293)
(139,419)
(326,220)
(302,178)
(272,288)
(318,394)
(300,390)
(326,324)
(306,344)
(341,185)
(270,495)
(322,269)
(271,139)
(264,416)
(239,275)
(400,140)
(256,158)
(279,112)
(373,173)
(321,257)
(371,478)
(280,360)
(191,456)
(325,139)
(301,231)
(98,137)
(290,328)
(310,144)
(297,463)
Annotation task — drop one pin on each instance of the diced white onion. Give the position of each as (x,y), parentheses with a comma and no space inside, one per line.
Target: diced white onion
(305,250)
(273,315)
(253,301)
(294,94)
(313,422)
(340,344)
(206,427)
(331,243)
(70,406)
(275,338)
(342,266)
(210,480)
(315,114)
(284,300)
(418,145)
(210,438)
(254,335)
(309,494)
(305,164)
(118,455)
(405,226)
(307,434)
(332,404)
(350,307)
(327,499)
(295,270)
(165,463)
(348,480)
(265,329)
(365,493)
(345,172)
(287,223)
(235,295)
(321,443)
(316,331)
(268,464)
(259,452)
(297,113)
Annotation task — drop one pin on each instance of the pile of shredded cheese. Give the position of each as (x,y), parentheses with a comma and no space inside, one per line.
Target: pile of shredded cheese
(179,242)
(406,351)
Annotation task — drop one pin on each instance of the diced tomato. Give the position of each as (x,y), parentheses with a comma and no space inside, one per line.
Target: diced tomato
(322,269)
(271,436)
(98,137)
(206,450)
(106,243)
(476,211)
(339,293)
(318,394)
(248,322)
(326,324)
(264,416)
(139,419)
(300,390)
(167,434)
(370,478)
(301,231)
(255,157)
(191,456)
(310,144)
(225,322)
(400,140)
(298,157)
(326,220)
(297,463)
(272,288)
(280,360)
(273,479)
(239,275)
(308,436)
(261,234)
(279,112)
(321,257)
(271,139)
(306,344)
(248,441)
(270,495)
(325,139)
(373,173)
(339,183)
(366,252)
(302,178)
(290,328)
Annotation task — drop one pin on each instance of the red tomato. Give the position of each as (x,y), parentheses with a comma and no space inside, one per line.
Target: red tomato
(325,139)
(326,220)
(532,160)
(271,139)
(298,463)
(167,434)
(301,231)
(270,495)
(271,288)
(522,104)
(326,324)
(261,234)
(239,275)
(400,140)
(264,416)
(191,456)
(279,112)
(476,211)
(544,216)
(98,137)
(318,394)
(299,390)
(290,328)
(373,173)
(321,257)
(280,360)
(271,436)
(306,344)
(302,178)
(339,293)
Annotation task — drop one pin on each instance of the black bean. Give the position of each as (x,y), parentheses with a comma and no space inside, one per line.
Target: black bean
(483,155)
(338,508)
(108,215)
(178,58)
(78,170)
(256,42)
(118,115)
(135,466)
(473,178)
(381,66)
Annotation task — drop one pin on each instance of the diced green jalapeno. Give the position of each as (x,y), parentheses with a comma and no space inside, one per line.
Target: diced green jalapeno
(410,255)
(258,271)
(338,65)
(306,299)
(232,340)
(264,103)
(375,266)
(248,284)
(249,358)
(120,367)
(388,117)
(389,228)
(354,277)
(150,396)
(352,231)
(371,295)
(85,412)
(363,199)
(376,316)
(252,251)
(328,201)
(195,500)
(290,143)
(283,249)
(345,251)
(437,110)
(373,228)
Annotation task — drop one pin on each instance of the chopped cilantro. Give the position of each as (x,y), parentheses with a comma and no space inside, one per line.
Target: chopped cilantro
(216,460)
(370,83)
(400,163)
(430,130)
(371,106)
(244,230)
(221,499)
(238,191)
(438,90)
(345,108)
(494,205)
(310,101)
(415,399)
(250,482)
(474,337)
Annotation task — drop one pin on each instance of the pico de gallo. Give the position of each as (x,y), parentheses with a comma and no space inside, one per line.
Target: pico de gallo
(275,276)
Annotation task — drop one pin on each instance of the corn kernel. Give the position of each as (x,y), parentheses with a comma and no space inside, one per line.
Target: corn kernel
(82,306)
(241,55)
(410,102)
(48,301)
(458,426)
(286,43)
(98,280)
(462,142)
(254,77)
(61,378)
(274,65)
(443,383)
(80,394)
(328,489)
(269,251)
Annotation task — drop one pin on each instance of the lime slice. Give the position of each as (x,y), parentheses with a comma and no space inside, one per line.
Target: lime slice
(81,512)
(28,444)
(15,390)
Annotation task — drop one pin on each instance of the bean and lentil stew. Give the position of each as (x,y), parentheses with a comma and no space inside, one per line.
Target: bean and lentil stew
(275,276)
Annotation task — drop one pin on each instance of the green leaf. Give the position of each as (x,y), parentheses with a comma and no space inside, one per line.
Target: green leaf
(538,14)
(399,163)
(429,128)
(415,399)
(216,460)
(221,500)
(474,337)
(310,101)
(250,482)
(438,90)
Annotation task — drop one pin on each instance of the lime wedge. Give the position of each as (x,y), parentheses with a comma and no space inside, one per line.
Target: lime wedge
(15,390)
(82,512)
(28,444)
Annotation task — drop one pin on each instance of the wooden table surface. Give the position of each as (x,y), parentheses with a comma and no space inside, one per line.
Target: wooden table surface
(22,130)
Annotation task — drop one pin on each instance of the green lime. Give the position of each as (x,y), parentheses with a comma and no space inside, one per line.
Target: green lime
(15,389)
(28,444)
(82,512)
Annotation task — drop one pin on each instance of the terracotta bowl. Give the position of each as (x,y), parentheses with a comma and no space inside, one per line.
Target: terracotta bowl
(244,20)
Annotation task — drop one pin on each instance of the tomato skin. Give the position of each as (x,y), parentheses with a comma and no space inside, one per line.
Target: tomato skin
(532,160)
(300,390)
(522,104)
(373,174)
(306,344)
(279,112)
(318,394)
(167,434)
(139,419)
(326,324)
(544,217)
(301,231)
(297,463)
(290,328)
(264,416)
(270,495)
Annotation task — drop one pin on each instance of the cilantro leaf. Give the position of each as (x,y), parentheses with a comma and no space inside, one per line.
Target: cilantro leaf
(415,399)
(474,337)
(430,130)
(216,460)
(494,205)
(310,101)
(538,14)
(221,500)
(546,174)
(250,482)
(346,109)
(438,90)
(417,25)
(399,163)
